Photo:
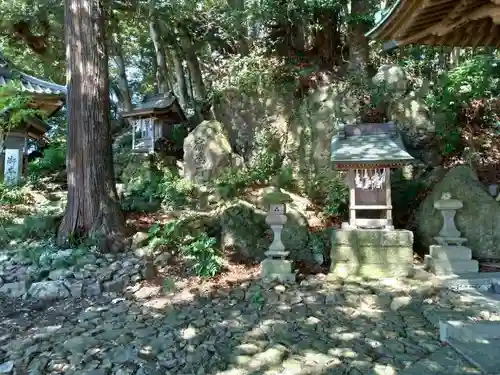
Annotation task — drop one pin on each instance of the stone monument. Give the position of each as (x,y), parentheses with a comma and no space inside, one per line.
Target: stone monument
(449,256)
(368,245)
(276,266)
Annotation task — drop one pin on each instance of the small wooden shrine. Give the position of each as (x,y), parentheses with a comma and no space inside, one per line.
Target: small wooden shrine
(45,96)
(367,152)
(153,120)
(457,23)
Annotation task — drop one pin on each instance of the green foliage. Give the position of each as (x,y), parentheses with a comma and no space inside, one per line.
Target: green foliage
(199,251)
(40,226)
(204,254)
(475,78)
(317,244)
(174,191)
(53,160)
(147,189)
(45,255)
(331,192)
(168,235)
(265,166)
(14,107)
(10,195)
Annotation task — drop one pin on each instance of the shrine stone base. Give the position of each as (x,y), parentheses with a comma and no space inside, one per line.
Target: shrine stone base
(371,253)
(277,270)
(447,260)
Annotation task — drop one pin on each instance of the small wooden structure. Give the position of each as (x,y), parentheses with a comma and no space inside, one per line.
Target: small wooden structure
(153,120)
(46,97)
(367,152)
(456,23)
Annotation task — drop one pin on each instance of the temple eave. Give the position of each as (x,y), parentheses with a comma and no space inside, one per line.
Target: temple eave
(461,23)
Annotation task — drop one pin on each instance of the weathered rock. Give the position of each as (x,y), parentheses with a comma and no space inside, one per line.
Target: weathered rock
(303,127)
(392,79)
(207,152)
(92,289)
(80,344)
(6,368)
(417,127)
(49,290)
(14,290)
(245,231)
(139,239)
(477,220)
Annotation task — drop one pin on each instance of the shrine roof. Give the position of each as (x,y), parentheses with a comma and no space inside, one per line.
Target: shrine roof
(369,144)
(27,83)
(158,105)
(457,23)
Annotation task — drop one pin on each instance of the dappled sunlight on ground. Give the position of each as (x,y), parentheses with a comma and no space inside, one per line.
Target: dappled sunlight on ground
(318,327)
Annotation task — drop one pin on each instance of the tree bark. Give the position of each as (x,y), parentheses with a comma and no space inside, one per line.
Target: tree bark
(123,86)
(126,103)
(161,61)
(92,209)
(193,65)
(181,78)
(359,50)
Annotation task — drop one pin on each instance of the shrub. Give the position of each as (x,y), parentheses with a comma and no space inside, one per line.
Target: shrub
(199,251)
(265,166)
(148,188)
(205,256)
(475,78)
(330,191)
(10,195)
(53,160)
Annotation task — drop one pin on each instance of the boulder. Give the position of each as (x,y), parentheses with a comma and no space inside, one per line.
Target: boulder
(245,232)
(478,220)
(303,126)
(207,152)
(412,116)
(49,290)
(392,79)
(316,119)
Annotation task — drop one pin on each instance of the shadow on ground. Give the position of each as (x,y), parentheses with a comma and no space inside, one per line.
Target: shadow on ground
(247,328)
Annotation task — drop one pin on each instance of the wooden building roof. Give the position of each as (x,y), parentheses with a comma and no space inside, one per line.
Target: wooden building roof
(46,96)
(164,106)
(457,23)
(369,144)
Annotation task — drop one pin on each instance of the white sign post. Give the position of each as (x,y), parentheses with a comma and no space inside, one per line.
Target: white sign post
(12,166)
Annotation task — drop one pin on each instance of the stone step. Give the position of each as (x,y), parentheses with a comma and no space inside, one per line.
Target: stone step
(450,252)
(477,342)
(444,267)
(444,361)
(484,354)
(467,331)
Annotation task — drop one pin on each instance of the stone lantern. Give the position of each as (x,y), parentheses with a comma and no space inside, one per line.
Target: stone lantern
(276,266)
(449,257)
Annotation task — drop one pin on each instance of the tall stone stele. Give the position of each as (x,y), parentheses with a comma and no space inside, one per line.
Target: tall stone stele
(449,257)
(276,266)
(368,245)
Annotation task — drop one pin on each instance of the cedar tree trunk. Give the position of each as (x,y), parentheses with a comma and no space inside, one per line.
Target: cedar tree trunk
(92,208)
(181,78)
(161,61)
(359,50)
